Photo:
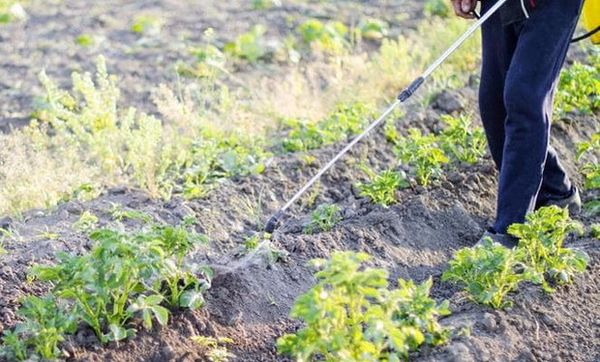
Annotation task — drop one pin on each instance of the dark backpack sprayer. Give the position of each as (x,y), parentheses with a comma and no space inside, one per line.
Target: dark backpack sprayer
(402,98)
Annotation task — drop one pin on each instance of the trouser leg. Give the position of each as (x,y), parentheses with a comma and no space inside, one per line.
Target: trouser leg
(543,41)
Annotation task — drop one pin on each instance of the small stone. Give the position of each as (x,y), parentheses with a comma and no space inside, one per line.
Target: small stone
(459,352)
(489,322)
(448,102)
(168,352)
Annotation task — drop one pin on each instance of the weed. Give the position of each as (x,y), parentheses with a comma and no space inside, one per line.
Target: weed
(351,315)
(381,188)
(487,272)
(249,46)
(323,218)
(422,154)
(461,140)
(541,241)
(87,221)
(252,242)
(217,352)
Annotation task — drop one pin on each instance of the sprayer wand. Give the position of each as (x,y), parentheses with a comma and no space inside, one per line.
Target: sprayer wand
(402,97)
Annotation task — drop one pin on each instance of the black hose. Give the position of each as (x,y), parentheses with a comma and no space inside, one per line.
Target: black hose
(586,35)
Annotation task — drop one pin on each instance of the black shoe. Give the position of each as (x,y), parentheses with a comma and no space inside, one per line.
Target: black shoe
(571,201)
(505,240)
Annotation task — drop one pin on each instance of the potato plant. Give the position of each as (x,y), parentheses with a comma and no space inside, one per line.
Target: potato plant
(461,141)
(351,315)
(344,121)
(328,37)
(579,89)
(541,241)
(323,218)
(590,169)
(490,271)
(125,276)
(423,154)
(381,188)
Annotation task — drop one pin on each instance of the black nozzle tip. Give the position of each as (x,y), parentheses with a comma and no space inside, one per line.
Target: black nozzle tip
(273,222)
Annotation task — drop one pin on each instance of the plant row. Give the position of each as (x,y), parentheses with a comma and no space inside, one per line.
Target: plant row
(352,315)
(127,281)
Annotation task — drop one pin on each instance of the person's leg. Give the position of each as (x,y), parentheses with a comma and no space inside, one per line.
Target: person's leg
(498,43)
(543,42)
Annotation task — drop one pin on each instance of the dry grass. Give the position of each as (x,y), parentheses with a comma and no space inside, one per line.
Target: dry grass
(103,144)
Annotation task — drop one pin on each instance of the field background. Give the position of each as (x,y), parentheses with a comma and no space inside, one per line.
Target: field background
(210,138)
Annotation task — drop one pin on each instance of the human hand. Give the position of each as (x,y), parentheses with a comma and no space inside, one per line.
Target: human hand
(464,8)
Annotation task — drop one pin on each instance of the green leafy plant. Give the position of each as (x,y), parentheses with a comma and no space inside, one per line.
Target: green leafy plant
(217,352)
(422,153)
(578,90)
(381,188)
(350,315)
(461,140)
(87,221)
(595,231)
(590,169)
(373,29)
(324,37)
(488,273)
(85,40)
(439,8)
(249,46)
(323,218)
(265,4)
(129,274)
(45,322)
(541,241)
(146,24)
(345,120)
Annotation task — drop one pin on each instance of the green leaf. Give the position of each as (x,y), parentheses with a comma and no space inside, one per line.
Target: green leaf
(191,299)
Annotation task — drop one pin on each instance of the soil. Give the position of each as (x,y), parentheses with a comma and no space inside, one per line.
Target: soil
(252,293)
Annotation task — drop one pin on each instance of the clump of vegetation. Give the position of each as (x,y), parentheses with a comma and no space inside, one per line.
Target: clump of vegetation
(85,40)
(439,8)
(146,25)
(11,10)
(249,46)
(87,221)
(328,37)
(323,218)
(125,276)
(265,4)
(591,170)
(541,241)
(351,315)
(490,271)
(578,89)
(423,154)
(373,29)
(217,350)
(381,188)
(461,140)
(345,121)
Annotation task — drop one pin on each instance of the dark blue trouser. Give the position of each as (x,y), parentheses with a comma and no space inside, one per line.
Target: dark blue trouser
(521,64)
